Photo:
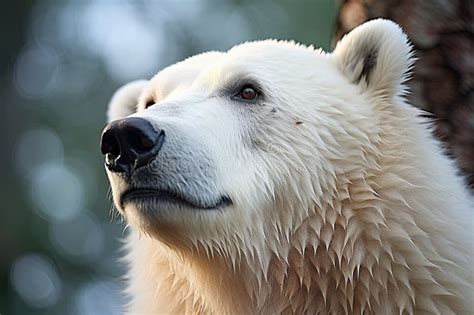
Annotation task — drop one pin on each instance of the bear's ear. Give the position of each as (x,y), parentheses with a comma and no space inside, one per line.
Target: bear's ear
(377,56)
(125,99)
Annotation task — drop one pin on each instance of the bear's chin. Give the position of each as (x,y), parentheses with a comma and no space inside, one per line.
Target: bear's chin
(176,225)
(165,212)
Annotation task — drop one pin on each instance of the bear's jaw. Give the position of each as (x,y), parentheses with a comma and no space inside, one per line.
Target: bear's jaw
(340,268)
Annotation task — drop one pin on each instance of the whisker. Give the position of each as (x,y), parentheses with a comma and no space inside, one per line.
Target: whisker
(109,193)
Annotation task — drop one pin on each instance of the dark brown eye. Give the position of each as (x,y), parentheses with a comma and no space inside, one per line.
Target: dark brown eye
(248,93)
(149,103)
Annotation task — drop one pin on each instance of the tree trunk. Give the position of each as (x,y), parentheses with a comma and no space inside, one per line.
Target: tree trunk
(441,32)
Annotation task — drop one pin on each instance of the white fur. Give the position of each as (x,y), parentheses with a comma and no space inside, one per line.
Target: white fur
(343,201)
(124,100)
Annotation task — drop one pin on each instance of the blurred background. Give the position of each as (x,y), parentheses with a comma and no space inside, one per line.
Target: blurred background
(60,62)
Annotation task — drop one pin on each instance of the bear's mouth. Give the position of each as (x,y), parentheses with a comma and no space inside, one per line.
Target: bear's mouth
(158,196)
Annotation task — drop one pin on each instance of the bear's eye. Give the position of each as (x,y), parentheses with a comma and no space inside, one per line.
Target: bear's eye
(149,103)
(248,93)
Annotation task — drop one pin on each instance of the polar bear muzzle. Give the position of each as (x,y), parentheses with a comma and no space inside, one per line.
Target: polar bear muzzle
(153,169)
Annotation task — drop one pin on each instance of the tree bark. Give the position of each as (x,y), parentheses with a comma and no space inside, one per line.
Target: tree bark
(441,32)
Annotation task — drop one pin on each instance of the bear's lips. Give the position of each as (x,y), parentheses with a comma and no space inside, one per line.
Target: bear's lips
(162,196)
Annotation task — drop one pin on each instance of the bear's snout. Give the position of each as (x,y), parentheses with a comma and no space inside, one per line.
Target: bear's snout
(129,143)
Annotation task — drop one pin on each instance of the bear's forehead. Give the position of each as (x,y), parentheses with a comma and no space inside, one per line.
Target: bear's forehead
(257,58)
(180,74)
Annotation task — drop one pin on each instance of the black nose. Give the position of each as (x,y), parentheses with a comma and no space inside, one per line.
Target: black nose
(129,143)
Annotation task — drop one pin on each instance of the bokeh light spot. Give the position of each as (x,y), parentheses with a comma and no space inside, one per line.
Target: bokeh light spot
(36,280)
(36,147)
(130,50)
(35,71)
(80,238)
(98,298)
(57,191)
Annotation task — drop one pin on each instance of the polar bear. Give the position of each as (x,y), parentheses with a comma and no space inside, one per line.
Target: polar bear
(276,178)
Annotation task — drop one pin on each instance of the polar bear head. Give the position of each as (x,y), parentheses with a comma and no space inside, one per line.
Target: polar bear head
(232,151)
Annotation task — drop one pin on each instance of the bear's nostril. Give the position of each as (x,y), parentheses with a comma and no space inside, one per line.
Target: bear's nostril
(141,142)
(109,144)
